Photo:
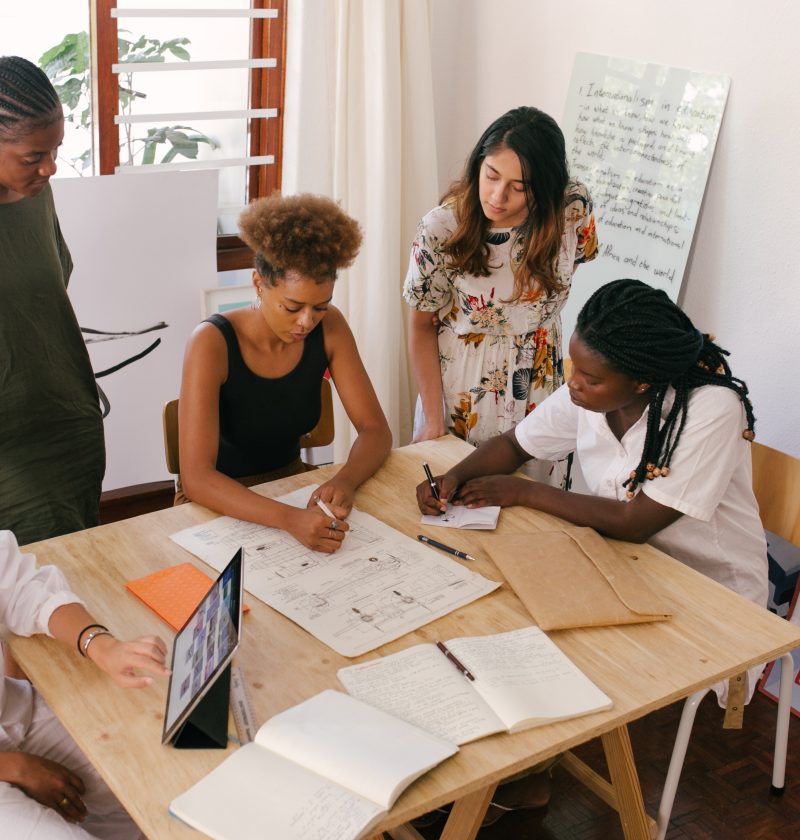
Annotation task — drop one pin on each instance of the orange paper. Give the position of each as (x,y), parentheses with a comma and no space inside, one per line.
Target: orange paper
(173,593)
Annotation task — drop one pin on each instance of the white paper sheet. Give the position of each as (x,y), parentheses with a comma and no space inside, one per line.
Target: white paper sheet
(379,586)
(459,516)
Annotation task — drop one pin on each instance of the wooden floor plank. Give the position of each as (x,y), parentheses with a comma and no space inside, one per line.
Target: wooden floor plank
(723,794)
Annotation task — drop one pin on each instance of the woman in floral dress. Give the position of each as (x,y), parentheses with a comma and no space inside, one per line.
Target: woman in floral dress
(495,262)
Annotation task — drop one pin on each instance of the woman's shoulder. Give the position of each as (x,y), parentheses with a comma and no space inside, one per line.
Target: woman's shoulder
(577,200)
(440,222)
(577,191)
(210,335)
(334,325)
(713,400)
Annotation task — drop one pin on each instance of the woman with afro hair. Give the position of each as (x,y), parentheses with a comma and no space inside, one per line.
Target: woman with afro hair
(251,377)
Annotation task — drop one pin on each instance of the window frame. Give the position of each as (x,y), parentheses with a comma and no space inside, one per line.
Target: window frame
(267,90)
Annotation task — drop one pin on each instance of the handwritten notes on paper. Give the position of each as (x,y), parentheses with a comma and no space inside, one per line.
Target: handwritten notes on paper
(641,137)
(377,587)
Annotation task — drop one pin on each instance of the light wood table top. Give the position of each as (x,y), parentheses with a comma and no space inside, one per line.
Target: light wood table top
(713,634)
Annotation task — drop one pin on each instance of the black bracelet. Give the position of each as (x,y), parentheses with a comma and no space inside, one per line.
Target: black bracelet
(88,627)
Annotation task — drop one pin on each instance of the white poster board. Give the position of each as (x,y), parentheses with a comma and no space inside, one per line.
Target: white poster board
(641,137)
(144,248)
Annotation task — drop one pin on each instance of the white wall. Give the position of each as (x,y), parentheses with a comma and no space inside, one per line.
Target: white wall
(741,280)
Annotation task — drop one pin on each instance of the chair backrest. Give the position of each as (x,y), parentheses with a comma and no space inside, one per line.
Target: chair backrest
(169,419)
(321,435)
(776,484)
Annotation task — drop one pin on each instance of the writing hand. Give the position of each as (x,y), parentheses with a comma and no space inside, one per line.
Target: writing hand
(337,495)
(123,660)
(503,490)
(49,783)
(313,528)
(427,501)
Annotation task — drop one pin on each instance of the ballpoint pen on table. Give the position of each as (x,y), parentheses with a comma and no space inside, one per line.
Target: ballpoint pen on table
(461,667)
(462,554)
(434,488)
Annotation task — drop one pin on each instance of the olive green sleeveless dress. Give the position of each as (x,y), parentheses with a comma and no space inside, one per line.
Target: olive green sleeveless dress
(52,453)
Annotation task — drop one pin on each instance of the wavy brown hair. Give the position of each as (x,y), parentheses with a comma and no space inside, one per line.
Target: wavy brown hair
(309,234)
(538,142)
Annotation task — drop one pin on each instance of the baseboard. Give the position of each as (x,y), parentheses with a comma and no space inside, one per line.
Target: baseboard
(125,502)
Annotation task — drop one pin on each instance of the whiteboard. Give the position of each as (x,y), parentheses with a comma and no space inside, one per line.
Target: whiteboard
(641,137)
(144,248)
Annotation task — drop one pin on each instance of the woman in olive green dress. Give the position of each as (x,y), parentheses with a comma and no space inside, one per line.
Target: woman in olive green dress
(52,453)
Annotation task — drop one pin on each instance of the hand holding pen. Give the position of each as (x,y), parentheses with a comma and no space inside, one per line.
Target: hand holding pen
(434,492)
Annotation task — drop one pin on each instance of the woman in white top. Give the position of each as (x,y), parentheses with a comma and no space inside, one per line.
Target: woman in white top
(48,788)
(661,429)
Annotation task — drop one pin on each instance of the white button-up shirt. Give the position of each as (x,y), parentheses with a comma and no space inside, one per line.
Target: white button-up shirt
(28,597)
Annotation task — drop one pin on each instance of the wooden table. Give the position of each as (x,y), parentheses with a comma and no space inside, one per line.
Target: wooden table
(713,634)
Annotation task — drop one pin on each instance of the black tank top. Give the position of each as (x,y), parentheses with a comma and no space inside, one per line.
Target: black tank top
(261,419)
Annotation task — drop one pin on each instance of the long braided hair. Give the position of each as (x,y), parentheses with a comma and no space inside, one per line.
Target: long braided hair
(28,101)
(644,335)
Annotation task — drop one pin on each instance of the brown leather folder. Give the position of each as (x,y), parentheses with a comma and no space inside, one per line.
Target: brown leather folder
(574,578)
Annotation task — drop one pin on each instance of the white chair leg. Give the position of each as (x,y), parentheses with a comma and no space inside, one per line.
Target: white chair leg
(676,762)
(782,728)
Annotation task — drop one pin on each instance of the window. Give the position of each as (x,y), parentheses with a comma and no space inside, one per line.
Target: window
(178,84)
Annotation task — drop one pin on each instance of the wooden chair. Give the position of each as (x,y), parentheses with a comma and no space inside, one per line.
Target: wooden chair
(321,435)
(776,484)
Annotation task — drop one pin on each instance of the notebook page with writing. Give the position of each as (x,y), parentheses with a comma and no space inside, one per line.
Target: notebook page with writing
(326,768)
(526,678)
(420,686)
(255,787)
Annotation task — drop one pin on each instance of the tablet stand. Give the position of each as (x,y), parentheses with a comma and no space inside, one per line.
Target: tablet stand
(207,726)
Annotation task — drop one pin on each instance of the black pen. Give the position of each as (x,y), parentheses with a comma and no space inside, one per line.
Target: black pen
(462,554)
(434,488)
(451,656)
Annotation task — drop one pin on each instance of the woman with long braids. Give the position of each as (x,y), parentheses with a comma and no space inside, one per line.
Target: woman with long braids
(489,274)
(661,429)
(52,453)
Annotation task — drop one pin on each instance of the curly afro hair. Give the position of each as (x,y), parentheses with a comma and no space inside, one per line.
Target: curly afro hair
(309,234)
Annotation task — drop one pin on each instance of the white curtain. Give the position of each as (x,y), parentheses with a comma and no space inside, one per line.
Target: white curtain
(358,127)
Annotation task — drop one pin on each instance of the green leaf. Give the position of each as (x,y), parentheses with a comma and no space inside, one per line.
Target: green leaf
(85,159)
(169,156)
(180,52)
(82,47)
(149,155)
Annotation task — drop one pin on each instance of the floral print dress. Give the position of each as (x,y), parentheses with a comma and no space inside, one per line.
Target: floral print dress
(498,359)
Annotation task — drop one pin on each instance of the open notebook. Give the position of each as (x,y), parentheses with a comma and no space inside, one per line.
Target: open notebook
(521,680)
(327,768)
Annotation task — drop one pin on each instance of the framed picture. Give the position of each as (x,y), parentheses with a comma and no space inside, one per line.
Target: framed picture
(222,299)
(770,681)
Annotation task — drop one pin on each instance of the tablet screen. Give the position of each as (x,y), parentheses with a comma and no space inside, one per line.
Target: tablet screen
(204,646)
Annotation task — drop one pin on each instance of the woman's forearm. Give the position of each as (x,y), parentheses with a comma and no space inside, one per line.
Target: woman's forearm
(228,497)
(423,345)
(500,455)
(369,450)
(635,521)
